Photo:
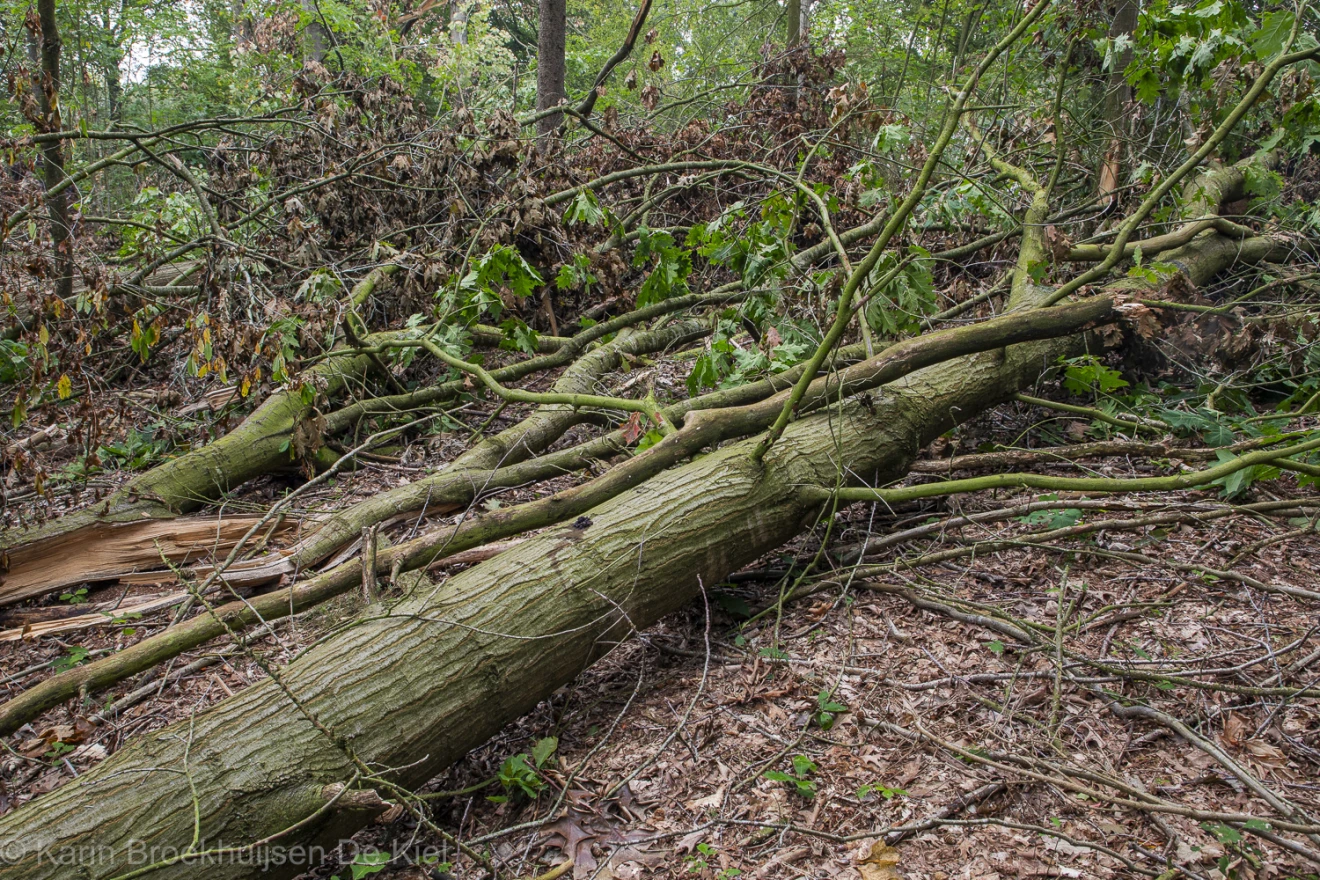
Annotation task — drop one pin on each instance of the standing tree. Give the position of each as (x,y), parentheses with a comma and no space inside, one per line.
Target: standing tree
(550,64)
(45,31)
(1117,95)
(315,34)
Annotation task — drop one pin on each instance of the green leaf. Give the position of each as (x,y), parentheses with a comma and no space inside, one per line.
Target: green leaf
(1274,30)
(1223,833)
(1085,375)
(543,749)
(803,766)
(671,266)
(649,439)
(1054,519)
(897,307)
(1146,85)
(585,208)
(517,775)
(518,336)
(76,657)
(369,863)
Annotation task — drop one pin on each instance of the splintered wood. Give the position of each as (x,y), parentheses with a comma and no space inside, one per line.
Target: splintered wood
(113,551)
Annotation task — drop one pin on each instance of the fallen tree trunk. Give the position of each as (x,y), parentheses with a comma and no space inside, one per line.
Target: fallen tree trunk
(702,428)
(415,685)
(113,550)
(483,649)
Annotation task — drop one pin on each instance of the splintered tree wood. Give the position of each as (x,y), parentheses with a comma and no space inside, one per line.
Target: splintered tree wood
(121,612)
(116,614)
(108,551)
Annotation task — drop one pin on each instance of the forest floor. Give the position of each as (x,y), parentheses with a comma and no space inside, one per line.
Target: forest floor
(870,714)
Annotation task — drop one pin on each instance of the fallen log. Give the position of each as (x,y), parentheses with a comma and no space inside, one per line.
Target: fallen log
(317,752)
(701,429)
(257,446)
(119,614)
(417,683)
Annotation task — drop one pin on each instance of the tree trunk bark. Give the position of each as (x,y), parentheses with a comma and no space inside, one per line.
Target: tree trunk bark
(419,682)
(315,33)
(52,153)
(550,63)
(1117,96)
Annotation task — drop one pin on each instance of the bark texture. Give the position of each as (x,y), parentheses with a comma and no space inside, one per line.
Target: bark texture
(1117,95)
(550,45)
(411,686)
(420,684)
(52,153)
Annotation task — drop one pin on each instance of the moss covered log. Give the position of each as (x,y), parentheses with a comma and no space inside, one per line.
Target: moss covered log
(418,683)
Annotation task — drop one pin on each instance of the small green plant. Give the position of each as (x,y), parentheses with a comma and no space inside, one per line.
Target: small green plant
(1053,519)
(14,363)
(698,862)
(366,864)
(76,657)
(1239,848)
(803,769)
(58,750)
(75,597)
(827,710)
(136,451)
(520,773)
(883,790)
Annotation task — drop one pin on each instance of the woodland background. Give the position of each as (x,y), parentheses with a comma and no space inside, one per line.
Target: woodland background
(686,439)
